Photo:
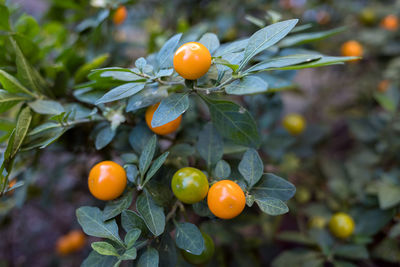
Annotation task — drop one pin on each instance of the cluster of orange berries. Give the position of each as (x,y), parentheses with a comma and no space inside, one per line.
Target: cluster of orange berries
(107,181)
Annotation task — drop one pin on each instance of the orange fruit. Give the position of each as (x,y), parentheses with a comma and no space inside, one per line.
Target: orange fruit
(107,180)
(165,129)
(192,60)
(383,86)
(226,199)
(390,23)
(71,242)
(352,49)
(120,15)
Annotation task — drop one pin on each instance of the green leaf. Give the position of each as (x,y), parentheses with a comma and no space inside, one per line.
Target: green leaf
(131,237)
(26,74)
(295,237)
(148,96)
(4,18)
(131,220)
(304,38)
(351,251)
(210,144)
(147,155)
(91,221)
(233,121)
(271,185)
(222,170)
(271,206)
(104,137)
(151,213)
(155,166)
(98,260)
(47,107)
(170,109)
(8,100)
(388,250)
(11,84)
(265,38)
(251,167)
(131,173)
(120,92)
(149,258)
(44,127)
(111,74)
(129,254)
(115,207)
(324,61)
(21,129)
(104,248)
(247,85)
(164,56)
(388,195)
(27,25)
(189,238)
(85,69)
(299,257)
(210,40)
(130,158)
(140,136)
(167,251)
(232,47)
(279,62)
(386,101)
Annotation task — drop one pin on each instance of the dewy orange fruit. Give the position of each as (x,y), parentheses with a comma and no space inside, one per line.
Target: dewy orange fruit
(165,129)
(120,15)
(107,180)
(192,60)
(226,199)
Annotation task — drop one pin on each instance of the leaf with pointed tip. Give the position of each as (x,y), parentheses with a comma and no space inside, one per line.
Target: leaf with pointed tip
(272,206)
(157,163)
(233,121)
(271,185)
(211,41)
(164,56)
(120,92)
(115,207)
(147,155)
(280,62)
(91,221)
(265,38)
(251,167)
(152,214)
(104,248)
(170,109)
(246,86)
(149,258)
(189,238)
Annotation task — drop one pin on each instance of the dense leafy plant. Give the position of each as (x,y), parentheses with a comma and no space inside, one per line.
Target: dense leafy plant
(49,90)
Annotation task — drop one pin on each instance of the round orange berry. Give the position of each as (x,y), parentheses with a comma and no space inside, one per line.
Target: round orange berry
(226,199)
(383,86)
(192,60)
(390,23)
(165,129)
(120,15)
(107,180)
(352,49)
